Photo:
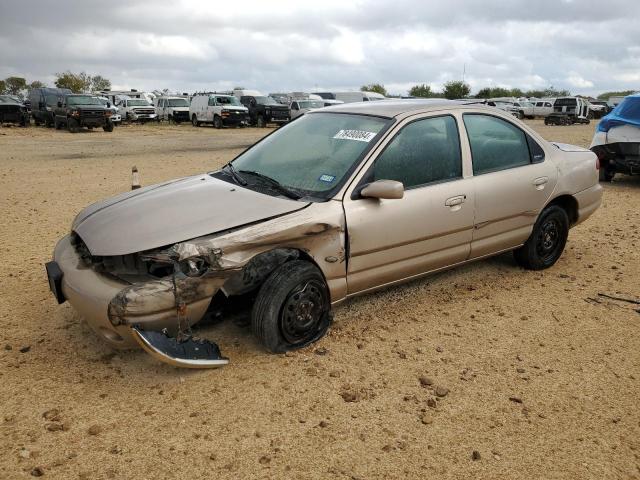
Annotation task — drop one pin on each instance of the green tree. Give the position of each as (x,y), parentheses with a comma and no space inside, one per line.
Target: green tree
(423,91)
(606,95)
(3,87)
(496,92)
(374,87)
(98,82)
(15,85)
(456,89)
(548,92)
(76,82)
(36,84)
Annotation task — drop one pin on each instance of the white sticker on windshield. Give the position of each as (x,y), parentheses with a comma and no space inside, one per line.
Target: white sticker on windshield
(358,135)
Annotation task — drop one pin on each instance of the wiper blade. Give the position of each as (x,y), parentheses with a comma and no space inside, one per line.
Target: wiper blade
(234,173)
(276,185)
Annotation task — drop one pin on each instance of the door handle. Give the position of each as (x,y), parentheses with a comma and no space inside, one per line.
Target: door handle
(455,201)
(540,182)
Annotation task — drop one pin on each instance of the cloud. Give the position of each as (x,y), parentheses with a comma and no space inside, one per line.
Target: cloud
(189,45)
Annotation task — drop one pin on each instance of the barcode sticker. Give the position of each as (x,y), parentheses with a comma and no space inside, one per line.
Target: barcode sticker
(357,135)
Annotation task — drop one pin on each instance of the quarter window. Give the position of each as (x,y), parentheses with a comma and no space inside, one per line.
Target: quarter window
(425,151)
(495,144)
(212,101)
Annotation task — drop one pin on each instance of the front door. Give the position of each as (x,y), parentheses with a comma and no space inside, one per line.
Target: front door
(512,180)
(431,227)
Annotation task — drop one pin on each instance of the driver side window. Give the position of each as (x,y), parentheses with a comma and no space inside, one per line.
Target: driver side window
(423,152)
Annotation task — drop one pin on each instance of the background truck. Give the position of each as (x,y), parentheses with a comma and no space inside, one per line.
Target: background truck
(218,109)
(44,102)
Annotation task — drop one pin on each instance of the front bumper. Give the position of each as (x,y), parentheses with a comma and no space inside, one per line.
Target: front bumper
(142,116)
(96,297)
(235,118)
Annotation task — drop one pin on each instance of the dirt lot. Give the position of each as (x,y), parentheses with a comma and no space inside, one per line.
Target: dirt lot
(543,375)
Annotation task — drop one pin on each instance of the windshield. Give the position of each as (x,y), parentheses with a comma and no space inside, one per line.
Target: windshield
(311,104)
(228,101)
(83,100)
(177,102)
(138,103)
(333,144)
(266,101)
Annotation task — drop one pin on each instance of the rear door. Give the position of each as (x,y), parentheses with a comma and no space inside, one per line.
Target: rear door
(512,180)
(431,227)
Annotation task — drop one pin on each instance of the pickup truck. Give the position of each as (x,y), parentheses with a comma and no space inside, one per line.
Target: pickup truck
(137,110)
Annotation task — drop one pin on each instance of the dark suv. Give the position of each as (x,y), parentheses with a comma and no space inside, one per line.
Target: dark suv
(264,110)
(76,111)
(13,111)
(43,103)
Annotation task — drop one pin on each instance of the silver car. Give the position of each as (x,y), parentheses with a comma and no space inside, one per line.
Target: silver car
(343,201)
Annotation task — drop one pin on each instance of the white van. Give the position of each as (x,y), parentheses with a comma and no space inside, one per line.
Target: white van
(218,110)
(351,97)
(241,92)
(173,109)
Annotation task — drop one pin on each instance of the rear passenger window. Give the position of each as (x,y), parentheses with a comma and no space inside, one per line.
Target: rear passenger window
(425,151)
(495,144)
(212,101)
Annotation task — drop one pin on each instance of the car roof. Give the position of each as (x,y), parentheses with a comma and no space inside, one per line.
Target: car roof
(393,108)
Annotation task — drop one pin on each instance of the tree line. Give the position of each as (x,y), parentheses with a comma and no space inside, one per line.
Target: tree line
(76,82)
(458,89)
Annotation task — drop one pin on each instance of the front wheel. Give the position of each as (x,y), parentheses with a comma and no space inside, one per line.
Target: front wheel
(108,127)
(72,125)
(546,243)
(217,122)
(260,123)
(292,308)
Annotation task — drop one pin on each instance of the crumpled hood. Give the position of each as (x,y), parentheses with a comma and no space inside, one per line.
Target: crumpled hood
(172,212)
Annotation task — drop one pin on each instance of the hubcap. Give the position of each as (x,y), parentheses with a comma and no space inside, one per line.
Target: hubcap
(548,238)
(303,312)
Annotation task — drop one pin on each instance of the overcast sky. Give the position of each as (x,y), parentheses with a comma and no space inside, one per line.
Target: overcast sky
(586,46)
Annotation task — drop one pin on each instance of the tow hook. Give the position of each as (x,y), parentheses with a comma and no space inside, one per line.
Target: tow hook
(188,352)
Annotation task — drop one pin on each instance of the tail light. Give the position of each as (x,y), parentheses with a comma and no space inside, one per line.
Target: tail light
(597,162)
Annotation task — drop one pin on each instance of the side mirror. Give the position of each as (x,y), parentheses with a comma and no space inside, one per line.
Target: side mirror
(387,189)
(60,104)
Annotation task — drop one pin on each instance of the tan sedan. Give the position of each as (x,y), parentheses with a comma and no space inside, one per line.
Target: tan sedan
(339,202)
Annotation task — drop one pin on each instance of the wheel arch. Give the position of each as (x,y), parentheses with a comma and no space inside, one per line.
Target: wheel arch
(569,204)
(254,273)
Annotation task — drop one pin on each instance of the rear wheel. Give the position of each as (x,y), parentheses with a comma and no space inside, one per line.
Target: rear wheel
(292,308)
(546,243)
(194,121)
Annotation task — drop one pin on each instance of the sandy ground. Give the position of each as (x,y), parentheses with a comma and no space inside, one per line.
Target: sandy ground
(543,375)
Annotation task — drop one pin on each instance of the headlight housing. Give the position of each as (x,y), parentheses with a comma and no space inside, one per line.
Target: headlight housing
(193,267)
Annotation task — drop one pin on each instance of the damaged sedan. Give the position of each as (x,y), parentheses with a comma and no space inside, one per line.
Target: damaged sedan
(339,202)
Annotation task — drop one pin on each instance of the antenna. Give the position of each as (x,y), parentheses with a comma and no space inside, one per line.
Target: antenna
(464,71)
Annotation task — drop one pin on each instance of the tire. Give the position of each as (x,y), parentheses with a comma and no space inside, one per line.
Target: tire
(546,121)
(194,121)
(49,122)
(547,240)
(294,289)
(37,122)
(72,125)
(56,124)
(521,115)
(108,127)
(260,123)
(606,174)
(217,122)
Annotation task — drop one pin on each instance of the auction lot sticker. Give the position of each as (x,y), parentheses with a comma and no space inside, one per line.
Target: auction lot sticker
(358,135)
